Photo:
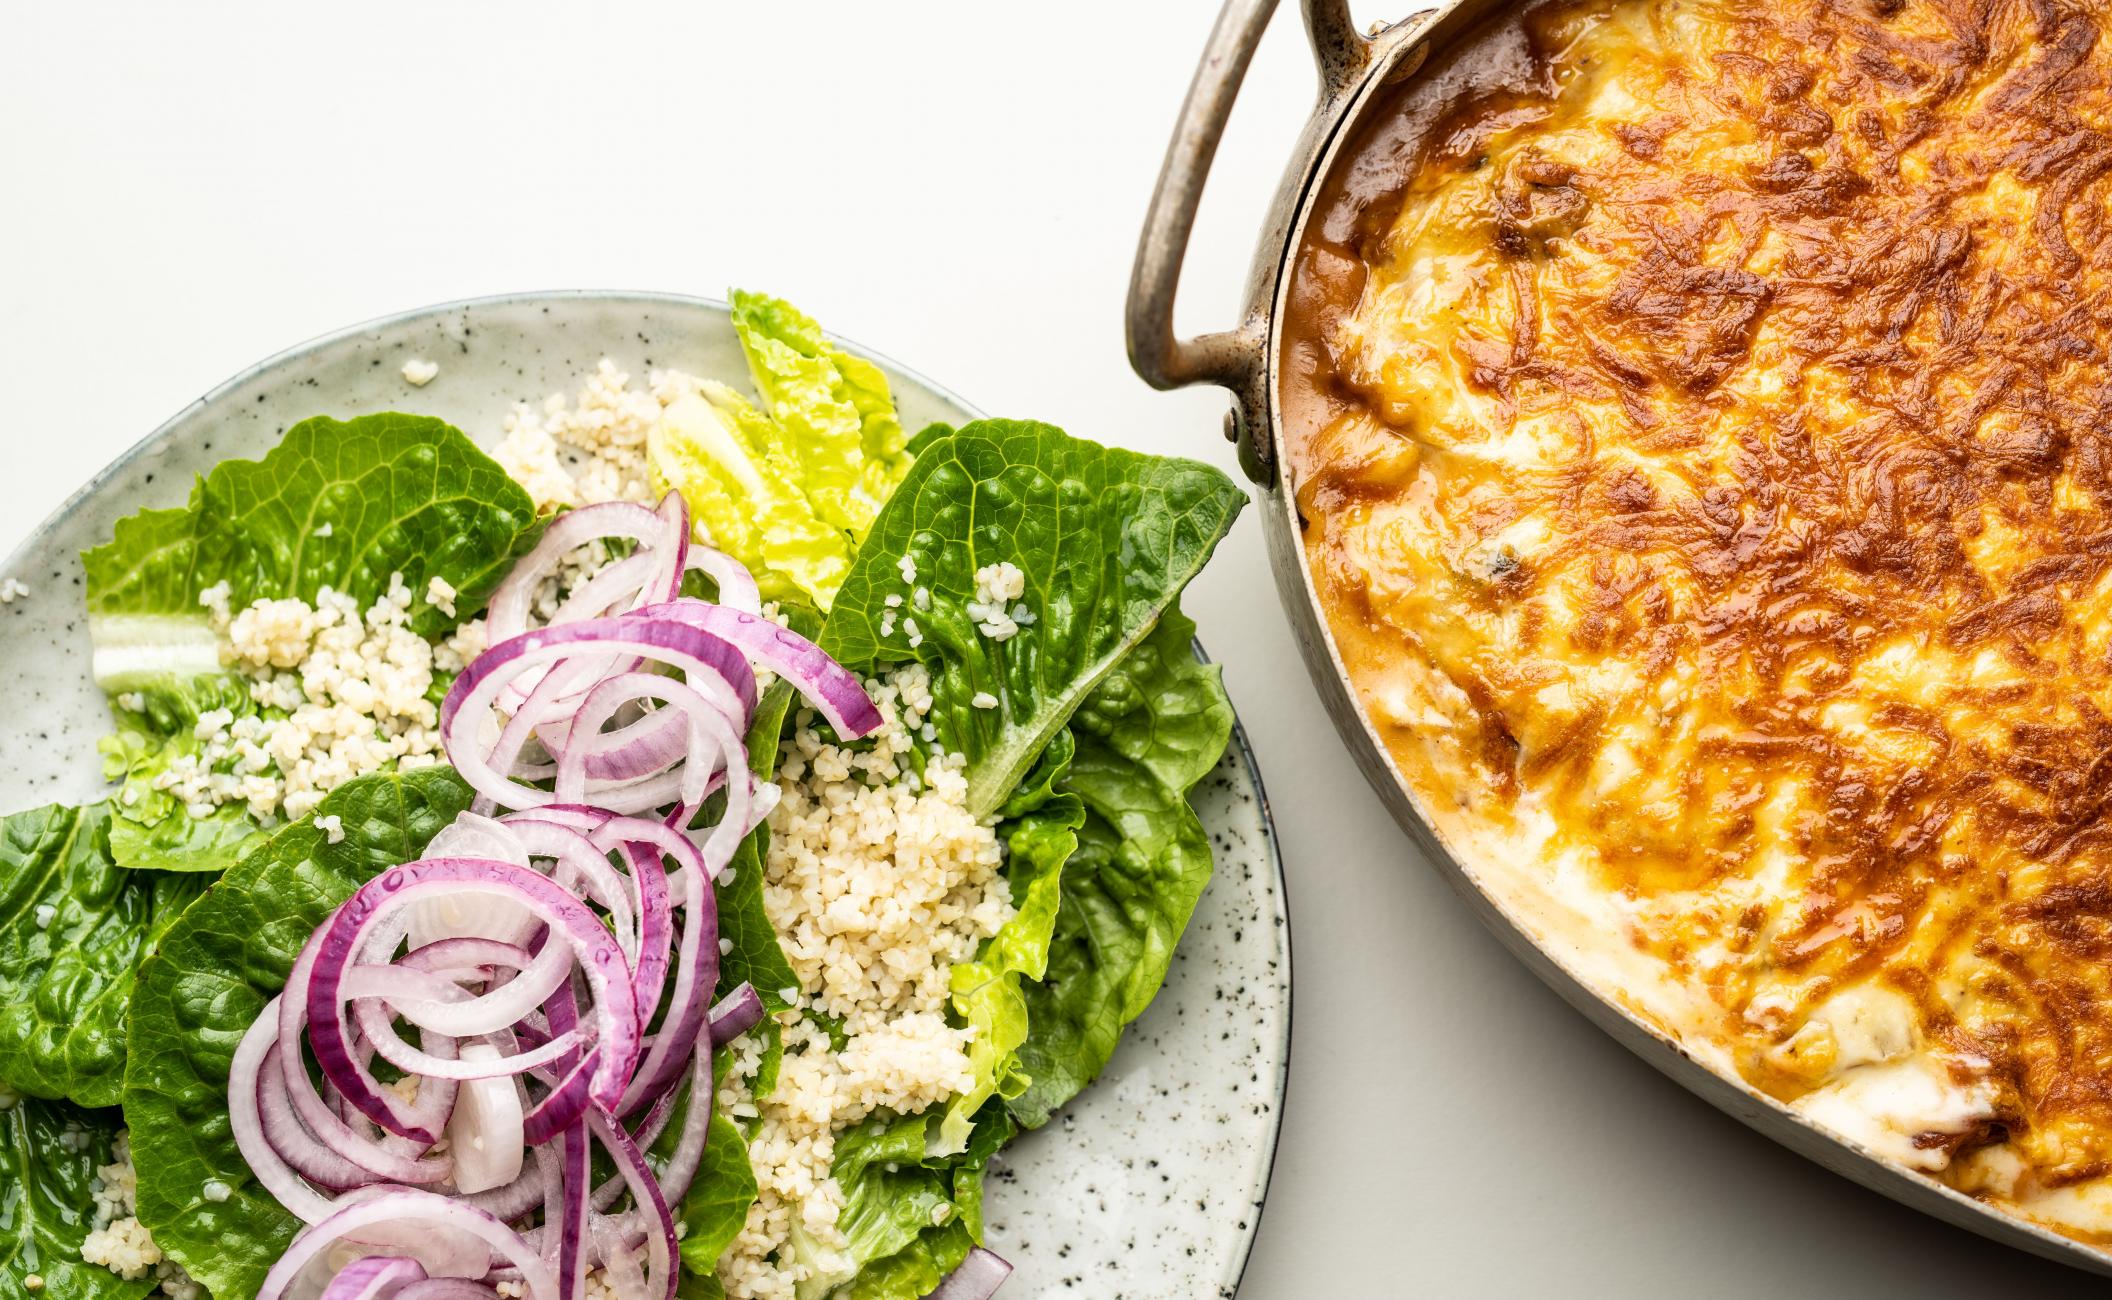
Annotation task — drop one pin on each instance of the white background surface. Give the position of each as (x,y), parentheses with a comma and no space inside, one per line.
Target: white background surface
(186,189)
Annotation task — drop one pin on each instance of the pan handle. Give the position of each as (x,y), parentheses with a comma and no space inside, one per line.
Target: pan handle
(1230,358)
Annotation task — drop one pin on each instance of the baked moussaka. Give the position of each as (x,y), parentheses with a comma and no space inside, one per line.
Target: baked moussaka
(1701,426)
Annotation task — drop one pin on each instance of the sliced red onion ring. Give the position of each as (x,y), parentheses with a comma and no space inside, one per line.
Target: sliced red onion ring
(392,1212)
(572,1222)
(607,830)
(978,1278)
(737,589)
(448,1288)
(284,1134)
(655,532)
(374,1277)
(661,1242)
(374,1026)
(656,937)
(583,868)
(272,1172)
(418,1121)
(834,691)
(696,975)
(702,745)
(736,1014)
(440,1005)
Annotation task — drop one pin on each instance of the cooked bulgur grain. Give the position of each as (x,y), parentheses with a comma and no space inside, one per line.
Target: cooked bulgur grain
(878,880)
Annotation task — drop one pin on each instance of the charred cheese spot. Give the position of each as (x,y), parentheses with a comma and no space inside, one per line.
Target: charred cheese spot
(1708,479)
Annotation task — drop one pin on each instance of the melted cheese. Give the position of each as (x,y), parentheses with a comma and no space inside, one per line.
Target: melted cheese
(1713,503)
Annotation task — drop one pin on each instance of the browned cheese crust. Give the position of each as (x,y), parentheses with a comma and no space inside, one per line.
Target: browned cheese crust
(1700,421)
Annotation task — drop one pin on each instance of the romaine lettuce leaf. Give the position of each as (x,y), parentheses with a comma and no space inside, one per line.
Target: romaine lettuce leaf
(151,829)
(215,968)
(836,410)
(901,1221)
(1106,539)
(337,503)
(986,993)
(1153,729)
(791,489)
(49,1152)
(74,927)
(730,463)
(343,504)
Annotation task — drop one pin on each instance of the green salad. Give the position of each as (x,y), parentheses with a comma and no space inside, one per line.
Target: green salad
(670,853)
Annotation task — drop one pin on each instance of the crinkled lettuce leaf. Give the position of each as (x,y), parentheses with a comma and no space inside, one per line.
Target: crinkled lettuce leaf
(1103,720)
(986,994)
(903,1221)
(339,503)
(151,829)
(835,408)
(49,1152)
(789,488)
(1106,539)
(214,970)
(731,464)
(1145,737)
(74,927)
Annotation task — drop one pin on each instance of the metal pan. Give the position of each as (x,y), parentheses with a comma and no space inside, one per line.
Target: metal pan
(1353,68)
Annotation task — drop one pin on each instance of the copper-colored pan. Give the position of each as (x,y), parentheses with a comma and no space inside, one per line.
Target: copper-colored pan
(1354,68)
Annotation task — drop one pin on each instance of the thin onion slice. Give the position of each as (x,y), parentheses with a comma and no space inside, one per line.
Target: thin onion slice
(509,612)
(709,664)
(661,1242)
(737,589)
(977,1278)
(833,690)
(448,1288)
(484,1134)
(391,1212)
(736,1014)
(244,1118)
(572,1222)
(374,1277)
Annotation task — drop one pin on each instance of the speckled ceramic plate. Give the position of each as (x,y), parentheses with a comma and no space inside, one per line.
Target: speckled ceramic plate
(1151,1183)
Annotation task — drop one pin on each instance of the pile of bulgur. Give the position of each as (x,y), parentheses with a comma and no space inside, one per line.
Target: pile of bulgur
(340,693)
(119,1241)
(590,447)
(877,881)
